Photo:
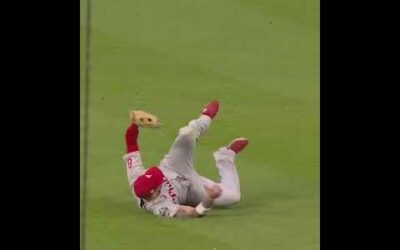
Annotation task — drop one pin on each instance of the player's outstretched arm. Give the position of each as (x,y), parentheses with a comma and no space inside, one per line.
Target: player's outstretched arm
(131,138)
(204,206)
(186,211)
(132,158)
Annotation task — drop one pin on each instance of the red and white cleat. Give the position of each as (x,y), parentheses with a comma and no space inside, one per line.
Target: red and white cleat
(211,109)
(238,144)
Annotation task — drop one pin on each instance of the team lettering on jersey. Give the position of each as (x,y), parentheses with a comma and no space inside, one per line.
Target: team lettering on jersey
(171,190)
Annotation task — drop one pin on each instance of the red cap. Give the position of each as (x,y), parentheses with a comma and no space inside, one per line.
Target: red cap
(145,185)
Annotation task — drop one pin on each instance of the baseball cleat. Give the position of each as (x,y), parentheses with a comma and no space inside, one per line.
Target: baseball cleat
(211,109)
(238,144)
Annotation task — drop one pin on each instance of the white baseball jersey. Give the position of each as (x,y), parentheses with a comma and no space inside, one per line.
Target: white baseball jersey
(173,191)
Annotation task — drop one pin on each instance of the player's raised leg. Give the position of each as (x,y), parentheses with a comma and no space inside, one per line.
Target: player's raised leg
(180,157)
(225,161)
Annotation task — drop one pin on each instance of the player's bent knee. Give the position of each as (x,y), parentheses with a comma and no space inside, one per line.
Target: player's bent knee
(227,200)
(235,199)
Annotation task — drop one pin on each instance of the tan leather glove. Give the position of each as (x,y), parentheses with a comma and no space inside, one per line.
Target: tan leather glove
(144,119)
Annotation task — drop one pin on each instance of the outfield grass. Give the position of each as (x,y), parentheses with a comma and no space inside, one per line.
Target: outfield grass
(261,60)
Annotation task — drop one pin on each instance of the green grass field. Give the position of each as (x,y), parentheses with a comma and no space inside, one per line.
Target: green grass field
(261,60)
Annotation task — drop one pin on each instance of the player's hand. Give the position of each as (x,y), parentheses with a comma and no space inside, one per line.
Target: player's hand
(214,191)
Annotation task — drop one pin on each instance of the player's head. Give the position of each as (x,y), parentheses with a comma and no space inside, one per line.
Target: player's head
(148,184)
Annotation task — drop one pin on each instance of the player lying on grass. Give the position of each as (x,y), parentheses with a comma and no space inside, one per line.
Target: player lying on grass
(174,188)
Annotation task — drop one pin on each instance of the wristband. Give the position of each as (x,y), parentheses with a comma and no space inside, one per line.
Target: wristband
(200,209)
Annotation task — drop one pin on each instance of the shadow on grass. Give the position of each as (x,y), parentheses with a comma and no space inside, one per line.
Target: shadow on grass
(254,204)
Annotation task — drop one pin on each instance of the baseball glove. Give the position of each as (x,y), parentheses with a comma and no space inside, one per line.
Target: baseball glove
(144,119)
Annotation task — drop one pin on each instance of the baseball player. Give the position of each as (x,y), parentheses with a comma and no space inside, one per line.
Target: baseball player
(174,188)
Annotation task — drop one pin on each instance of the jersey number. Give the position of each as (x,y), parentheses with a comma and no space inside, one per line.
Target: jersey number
(129,163)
